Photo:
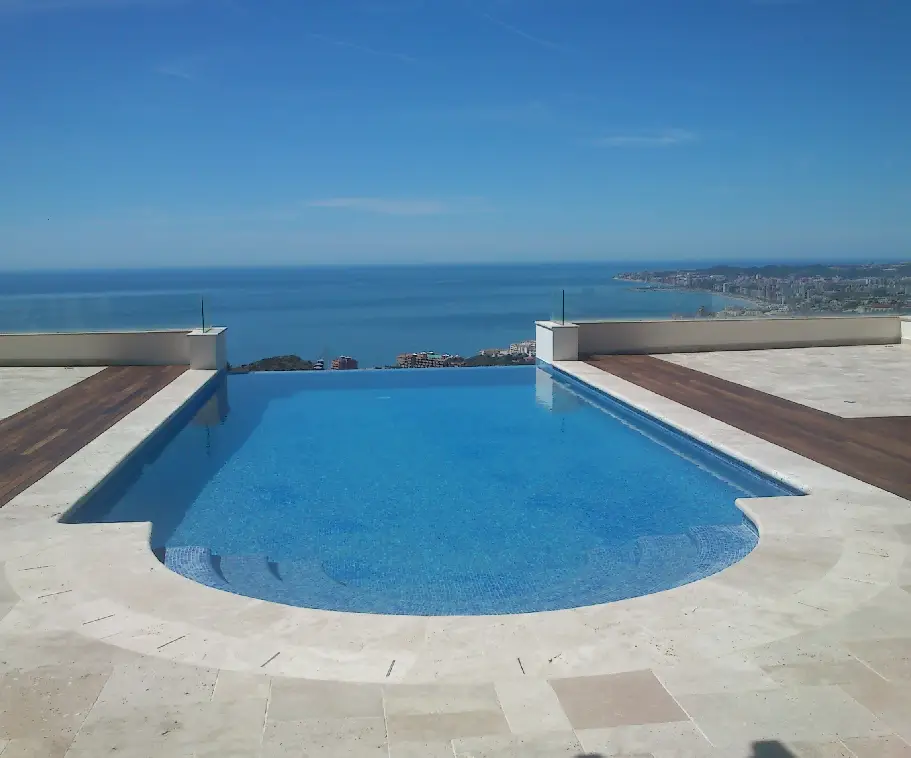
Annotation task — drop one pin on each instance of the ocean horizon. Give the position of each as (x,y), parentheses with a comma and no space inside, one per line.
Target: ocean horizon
(370,312)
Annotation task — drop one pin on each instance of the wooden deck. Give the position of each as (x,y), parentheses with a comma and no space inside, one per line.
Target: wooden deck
(35,441)
(874,450)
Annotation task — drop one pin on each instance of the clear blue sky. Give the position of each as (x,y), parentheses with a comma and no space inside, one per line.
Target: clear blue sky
(163,132)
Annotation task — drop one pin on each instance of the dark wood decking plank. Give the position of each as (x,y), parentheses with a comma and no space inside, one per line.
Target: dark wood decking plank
(70,399)
(36,440)
(874,450)
(891,436)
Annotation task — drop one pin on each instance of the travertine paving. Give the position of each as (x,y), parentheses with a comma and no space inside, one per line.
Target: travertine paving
(23,387)
(802,649)
(38,439)
(853,382)
(874,450)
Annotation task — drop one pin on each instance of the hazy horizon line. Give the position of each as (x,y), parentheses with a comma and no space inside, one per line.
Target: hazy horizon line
(716,260)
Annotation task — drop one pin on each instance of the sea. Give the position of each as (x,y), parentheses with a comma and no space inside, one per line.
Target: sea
(371,313)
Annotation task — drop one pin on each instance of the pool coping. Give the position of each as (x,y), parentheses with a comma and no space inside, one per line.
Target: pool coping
(196,561)
(102,580)
(607,400)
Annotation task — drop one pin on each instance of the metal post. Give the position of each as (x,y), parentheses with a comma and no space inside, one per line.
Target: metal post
(202,310)
(563,314)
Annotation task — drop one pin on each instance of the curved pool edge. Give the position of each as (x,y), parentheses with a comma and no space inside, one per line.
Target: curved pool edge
(733,542)
(103,582)
(621,565)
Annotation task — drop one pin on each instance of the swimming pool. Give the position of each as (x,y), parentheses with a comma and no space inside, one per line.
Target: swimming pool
(432,492)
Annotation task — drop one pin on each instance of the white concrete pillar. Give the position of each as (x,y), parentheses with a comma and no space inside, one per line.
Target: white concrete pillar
(209,348)
(556,341)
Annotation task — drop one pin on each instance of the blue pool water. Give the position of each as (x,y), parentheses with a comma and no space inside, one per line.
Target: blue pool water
(432,492)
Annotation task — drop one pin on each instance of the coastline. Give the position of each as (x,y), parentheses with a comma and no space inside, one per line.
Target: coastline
(315,311)
(748,301)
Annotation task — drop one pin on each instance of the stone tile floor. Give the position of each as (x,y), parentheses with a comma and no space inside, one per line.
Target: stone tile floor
(101,703)
(23,387)
(803,649)
(836,380)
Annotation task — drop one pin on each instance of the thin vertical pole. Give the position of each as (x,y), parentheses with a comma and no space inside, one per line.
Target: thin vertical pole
(202,310)
(563,313)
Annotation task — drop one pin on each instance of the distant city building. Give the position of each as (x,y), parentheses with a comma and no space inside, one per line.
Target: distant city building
(428,360)
(798,289)
(319,365)
(526,347)
(344,363)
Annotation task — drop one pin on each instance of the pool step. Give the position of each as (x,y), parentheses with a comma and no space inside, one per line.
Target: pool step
(609,572)
(251,575)
(195,563)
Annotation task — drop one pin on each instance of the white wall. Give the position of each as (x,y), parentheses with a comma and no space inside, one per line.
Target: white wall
(906,329)
(156,348)
(208,349)
(605,337)
(544,342)
(556,342)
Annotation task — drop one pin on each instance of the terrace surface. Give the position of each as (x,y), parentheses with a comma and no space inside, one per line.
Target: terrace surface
(858,422)
(802,649)
(65,409)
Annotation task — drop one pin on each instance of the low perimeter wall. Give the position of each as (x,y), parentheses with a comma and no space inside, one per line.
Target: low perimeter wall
(701,335)
(197,349)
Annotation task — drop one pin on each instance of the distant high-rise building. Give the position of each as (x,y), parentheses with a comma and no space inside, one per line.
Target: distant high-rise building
(526,347)
(427,360)
(344,363)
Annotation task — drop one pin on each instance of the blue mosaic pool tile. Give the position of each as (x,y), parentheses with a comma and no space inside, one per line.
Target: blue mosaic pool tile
(614,571)
(436,493)
(195,563)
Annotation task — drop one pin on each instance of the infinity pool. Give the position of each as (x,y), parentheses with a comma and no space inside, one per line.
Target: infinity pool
(432,492)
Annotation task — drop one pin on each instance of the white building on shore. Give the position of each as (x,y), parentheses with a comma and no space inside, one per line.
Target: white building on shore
(527,347)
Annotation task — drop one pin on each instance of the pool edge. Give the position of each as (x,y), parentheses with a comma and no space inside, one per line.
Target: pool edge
(161,614)
(197,396)
(727,457)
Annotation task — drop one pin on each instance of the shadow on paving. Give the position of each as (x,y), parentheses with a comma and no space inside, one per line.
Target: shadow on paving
(764,749)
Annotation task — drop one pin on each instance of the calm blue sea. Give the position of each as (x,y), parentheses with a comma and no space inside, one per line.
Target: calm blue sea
(369,312)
